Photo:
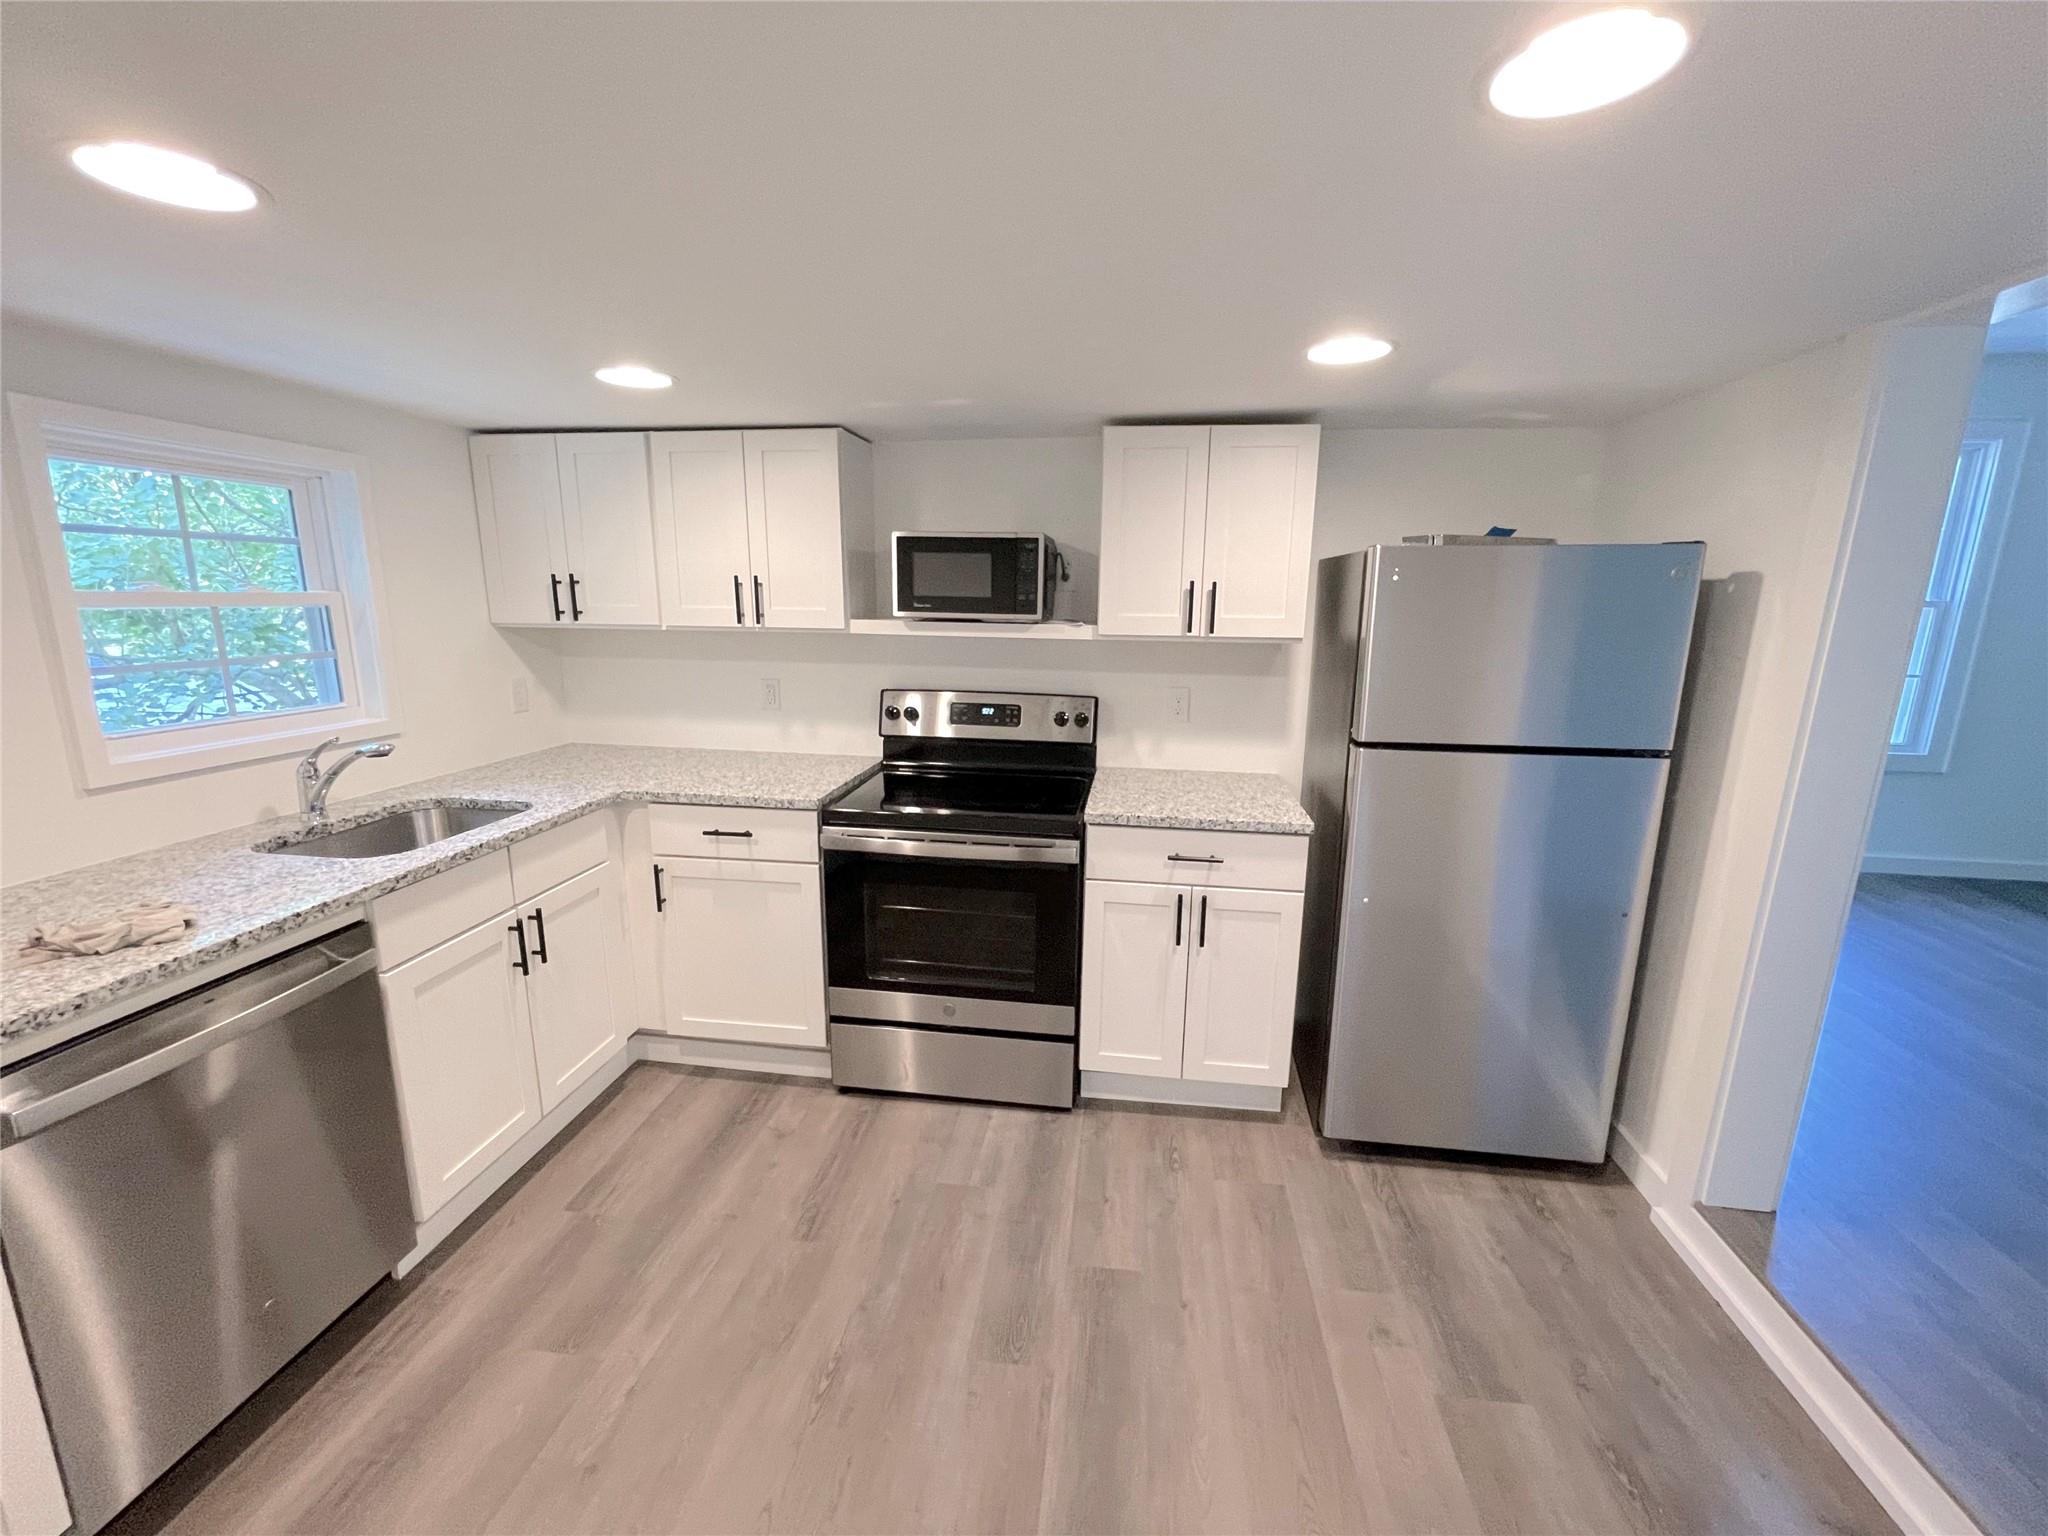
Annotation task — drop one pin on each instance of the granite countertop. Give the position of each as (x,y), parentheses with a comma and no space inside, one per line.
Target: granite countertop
(1198,801)
(245,898)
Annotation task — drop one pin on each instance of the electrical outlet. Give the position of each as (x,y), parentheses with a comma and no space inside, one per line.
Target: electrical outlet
(1177,705)
(522,695)
(771,693)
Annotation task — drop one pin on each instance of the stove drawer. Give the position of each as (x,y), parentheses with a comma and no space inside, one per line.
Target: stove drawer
(1259,861)
(733,832)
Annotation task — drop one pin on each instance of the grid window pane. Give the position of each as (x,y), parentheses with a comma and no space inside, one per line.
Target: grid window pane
(239,506)
(116,637)
(247,565)
(286,683)
(267,631)
(1902,722)
(113,495)
(158,698)
(127,562)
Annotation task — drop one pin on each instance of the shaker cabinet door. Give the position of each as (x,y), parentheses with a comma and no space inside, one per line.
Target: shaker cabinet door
(577,926)
(700,527)
(1155,486)
(743,951)
(1240,1016)
(1134,976)
(1255,539)
(794,536)
(519,523)
(608,529)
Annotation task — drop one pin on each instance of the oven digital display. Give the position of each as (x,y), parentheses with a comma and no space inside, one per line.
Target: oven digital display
(987,714)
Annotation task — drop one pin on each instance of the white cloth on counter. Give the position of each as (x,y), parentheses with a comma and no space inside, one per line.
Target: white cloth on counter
(158,922)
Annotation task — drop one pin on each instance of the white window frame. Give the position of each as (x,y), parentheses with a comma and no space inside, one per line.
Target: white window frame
(1987,475)
(336,547)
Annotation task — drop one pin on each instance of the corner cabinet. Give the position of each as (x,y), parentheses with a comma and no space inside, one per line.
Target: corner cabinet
(566,527)
(1206,531)
(500,998)
(1189,947)
(762,529)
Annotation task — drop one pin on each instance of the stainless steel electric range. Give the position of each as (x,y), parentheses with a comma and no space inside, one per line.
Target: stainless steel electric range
(953,898)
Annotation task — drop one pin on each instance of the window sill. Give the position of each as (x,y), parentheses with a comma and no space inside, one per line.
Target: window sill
(118,763)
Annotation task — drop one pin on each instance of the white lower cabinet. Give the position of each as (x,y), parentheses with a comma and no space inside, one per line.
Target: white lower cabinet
(32,1501)
(1194,983)
(742,950)
(575,933)
(462,1048)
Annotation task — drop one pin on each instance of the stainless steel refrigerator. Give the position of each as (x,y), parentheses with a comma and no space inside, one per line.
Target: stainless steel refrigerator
(1490,728)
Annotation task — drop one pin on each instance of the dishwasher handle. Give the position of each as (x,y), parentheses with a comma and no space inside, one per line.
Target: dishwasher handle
(52,1090)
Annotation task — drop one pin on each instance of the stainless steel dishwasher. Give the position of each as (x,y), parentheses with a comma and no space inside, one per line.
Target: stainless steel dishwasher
(190,1196)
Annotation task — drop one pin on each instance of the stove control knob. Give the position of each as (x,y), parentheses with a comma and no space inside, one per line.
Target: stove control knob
(910,713)
(892,713)
(1059,717)
(1082,719)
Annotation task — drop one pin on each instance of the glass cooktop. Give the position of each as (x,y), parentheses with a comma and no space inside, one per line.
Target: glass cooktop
(965,799)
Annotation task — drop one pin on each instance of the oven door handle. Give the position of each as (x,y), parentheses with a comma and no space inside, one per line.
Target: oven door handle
(933,845)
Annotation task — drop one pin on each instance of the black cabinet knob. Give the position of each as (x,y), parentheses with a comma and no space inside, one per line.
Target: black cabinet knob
(1081,719)
(910,713)
(892,713)
(1059,717)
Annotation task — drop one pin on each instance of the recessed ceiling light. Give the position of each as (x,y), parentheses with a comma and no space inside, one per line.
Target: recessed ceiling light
(1588,62)
(633,376)
(164,176)
(1341,350)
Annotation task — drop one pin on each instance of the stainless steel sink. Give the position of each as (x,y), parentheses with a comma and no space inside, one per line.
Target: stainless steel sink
(399,832)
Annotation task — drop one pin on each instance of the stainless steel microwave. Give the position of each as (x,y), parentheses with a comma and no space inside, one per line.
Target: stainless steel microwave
(1003,577)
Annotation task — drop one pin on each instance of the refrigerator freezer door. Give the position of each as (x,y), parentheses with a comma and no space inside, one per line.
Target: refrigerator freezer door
(1492,905)
(1568,645)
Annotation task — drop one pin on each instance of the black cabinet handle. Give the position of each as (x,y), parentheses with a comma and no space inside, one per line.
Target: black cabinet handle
(524,963)
(739,603)
(1201,926)
(1188,624)
(555,595)
(1193,858)
(1212,602)
(540,937)
(1177,900)
(660,899)
(714,832)
(757,601)
(576,609)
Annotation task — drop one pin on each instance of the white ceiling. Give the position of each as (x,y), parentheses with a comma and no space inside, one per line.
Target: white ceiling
(944,220)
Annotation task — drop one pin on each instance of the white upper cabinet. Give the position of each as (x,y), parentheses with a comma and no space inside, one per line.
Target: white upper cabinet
(700,528)
(761,529)
(567,528)
(607,529)
(1206,530)
(519,519)
(1255,541)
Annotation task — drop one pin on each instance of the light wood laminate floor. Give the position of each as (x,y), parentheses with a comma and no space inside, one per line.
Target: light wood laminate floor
(726,1303)
(1911,1237)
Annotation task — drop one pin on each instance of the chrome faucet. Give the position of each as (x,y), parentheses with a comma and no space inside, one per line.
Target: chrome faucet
(315,782)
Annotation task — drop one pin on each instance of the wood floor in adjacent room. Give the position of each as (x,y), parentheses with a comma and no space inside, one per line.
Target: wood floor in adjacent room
(733,1304)
(1911,1237)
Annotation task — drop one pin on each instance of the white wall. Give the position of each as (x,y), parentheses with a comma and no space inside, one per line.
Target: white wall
(1988,814)
(452,672)
(1758,469)
(1247,700)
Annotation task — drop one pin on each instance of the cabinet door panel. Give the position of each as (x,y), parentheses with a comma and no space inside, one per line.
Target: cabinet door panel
(1154,490)
(700,520)
(608,528)
(519,522)
(793,528)
(574,1014)
(1134,976)
(463,1053)
(743,951)
(1240,1016)
(1255,541)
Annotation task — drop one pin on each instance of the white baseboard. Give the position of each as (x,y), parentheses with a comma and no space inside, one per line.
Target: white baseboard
(1643,1170)
(435,1229)
(735,1055)
(1131,1088)
(1955,869)
(1910,1494)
